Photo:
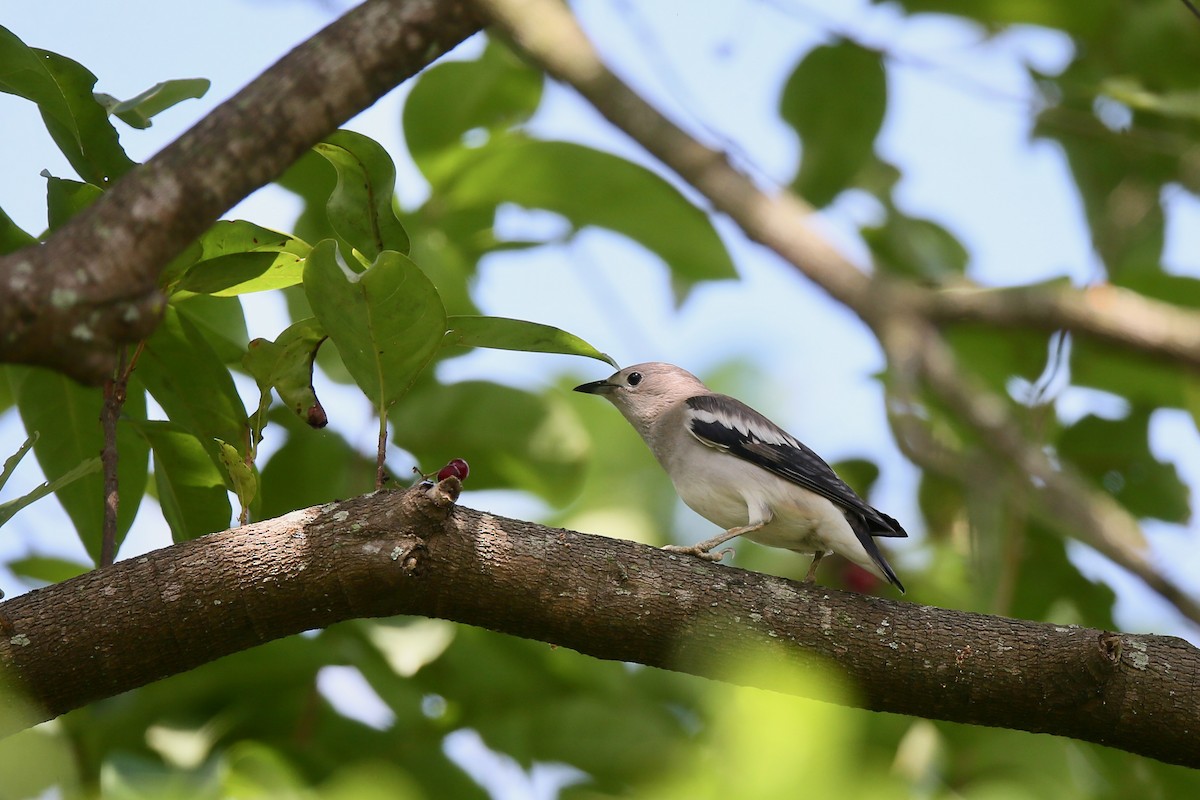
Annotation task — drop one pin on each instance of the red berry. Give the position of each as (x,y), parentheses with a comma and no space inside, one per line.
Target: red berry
(457,467)
(858,579)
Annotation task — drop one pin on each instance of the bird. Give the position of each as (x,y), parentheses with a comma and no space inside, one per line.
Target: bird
(736,468)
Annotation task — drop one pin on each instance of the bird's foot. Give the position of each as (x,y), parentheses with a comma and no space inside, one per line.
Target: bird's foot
(699,552)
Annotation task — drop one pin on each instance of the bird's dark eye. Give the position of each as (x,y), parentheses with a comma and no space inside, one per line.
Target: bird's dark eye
(634,378)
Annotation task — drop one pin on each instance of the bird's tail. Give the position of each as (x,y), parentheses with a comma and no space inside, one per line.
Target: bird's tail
(881,568)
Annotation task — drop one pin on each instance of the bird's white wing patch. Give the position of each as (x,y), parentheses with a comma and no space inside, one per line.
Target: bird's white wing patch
(733,419)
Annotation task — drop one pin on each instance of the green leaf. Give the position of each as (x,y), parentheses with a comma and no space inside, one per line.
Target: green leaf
(12,237)
(68,417)
(511,438)
(62,90)
(288,480)
(835,100)
(65,198)
(859,473)
(238,257)
(137,111)
(916,248)
(191,490)
(220,319)
(386,322)
(360,207)
(10,508)
(1116,455)
(590,187)
(494,92)
(286,365)
(187,378)
(501,333)
(47,569)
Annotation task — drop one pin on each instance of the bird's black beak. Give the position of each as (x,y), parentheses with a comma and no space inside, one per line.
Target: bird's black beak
(596,387)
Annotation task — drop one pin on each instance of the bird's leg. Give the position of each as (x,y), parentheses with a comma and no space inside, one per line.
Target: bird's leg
(812,568)
(701,549)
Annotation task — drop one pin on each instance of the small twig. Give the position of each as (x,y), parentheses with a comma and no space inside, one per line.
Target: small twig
(1192,8)
(110,412)
(381,451)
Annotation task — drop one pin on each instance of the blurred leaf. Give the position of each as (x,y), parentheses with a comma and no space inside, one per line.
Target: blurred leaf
(491,94)
(515,334)
(387,322)
(286,365)
(69,414)
(447,247)
(859,473)
(191,491)
(65,198)
(186,376)
(46,569)
(1050,587)
(10,508)
(942,503)
(360,207)
(996,14)
(313,180)
(835,100)
(238,257)
(590,187)
(997,355)
(12,238)
(1132,376)
(288,479)
(1116,455)
(137,111)
(1120,184)
(916,248)
(38,763)
(62,90)
(539,446)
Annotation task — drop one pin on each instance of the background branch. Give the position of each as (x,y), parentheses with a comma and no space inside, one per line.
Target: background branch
(67,304)
(414,552)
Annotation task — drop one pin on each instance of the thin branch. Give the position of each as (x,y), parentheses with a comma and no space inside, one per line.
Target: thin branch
(414,552)
(548,33)
(115,389)
(70,303)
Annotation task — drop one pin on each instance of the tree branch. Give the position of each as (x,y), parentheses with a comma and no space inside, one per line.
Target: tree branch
(548,33)
(1107,313)
(414,552)
(68,304)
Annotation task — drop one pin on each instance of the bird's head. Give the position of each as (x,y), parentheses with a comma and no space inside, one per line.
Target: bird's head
(644,392)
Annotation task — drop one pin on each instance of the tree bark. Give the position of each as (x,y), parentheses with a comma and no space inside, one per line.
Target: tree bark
(415,552)
(67,304)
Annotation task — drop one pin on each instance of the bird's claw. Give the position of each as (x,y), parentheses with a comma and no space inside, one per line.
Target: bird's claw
(707,555)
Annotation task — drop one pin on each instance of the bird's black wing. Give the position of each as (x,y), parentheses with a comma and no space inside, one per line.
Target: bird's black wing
(727,424)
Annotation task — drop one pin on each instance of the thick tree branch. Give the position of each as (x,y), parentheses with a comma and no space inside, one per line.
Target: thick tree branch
(1108,313)
(69,303)
(548,33)
(414,552)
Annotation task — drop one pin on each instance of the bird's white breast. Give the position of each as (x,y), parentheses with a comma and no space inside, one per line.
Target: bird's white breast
(732,492)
